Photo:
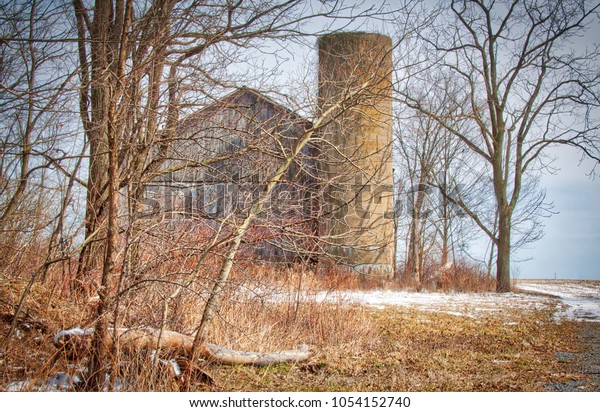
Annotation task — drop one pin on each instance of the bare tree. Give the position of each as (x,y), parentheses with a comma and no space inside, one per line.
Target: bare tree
(140,66)
(527,89)
(39,160)
(32,86)
(426,154)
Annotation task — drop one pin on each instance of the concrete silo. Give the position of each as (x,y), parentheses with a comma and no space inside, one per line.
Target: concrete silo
(355,74)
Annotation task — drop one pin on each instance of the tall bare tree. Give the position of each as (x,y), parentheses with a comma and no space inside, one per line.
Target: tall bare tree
(39,160)
(33,84)
(527,88)
(140,65)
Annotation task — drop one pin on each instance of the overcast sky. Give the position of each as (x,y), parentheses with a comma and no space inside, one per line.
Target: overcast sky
(571,245)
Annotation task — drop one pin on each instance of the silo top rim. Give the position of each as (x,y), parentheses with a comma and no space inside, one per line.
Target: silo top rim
(355,34)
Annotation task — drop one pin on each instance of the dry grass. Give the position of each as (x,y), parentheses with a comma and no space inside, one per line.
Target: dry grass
(460,276)
(30,353)
(355,348)
(408,350)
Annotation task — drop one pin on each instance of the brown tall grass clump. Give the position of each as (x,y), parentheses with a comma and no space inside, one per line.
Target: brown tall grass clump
(459,276)
(265,308)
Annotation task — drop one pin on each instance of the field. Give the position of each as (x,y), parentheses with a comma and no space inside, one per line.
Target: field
(361,339)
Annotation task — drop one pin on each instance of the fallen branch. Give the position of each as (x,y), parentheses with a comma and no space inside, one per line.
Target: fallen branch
(226,356)
(145,338)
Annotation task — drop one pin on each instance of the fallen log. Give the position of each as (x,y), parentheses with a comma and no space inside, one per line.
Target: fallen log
(145,338)
(224,356)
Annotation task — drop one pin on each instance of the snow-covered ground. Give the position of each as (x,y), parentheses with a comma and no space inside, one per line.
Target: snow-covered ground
(459,304)
(577,300)
(580,300)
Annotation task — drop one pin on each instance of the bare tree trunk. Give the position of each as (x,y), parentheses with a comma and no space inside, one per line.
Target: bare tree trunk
(490,262)
(100,96)
(445,210)
(112,238)
(103,186)
(445,235)
(415,247)
(503,260)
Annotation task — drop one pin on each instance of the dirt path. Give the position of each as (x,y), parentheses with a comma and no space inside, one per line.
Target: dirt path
(580,301)
(585,364)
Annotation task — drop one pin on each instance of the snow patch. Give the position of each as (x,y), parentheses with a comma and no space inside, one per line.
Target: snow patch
(577,300)
(457,304)
(58,382)
(172,363)
(580,300)
(73,332)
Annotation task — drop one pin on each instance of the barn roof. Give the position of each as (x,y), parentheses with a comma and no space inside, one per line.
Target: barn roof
(236,99)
